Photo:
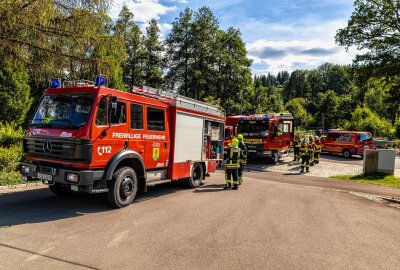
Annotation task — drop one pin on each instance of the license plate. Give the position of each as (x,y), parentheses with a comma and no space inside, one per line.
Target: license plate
(366,146)
(46,177)
(25,178)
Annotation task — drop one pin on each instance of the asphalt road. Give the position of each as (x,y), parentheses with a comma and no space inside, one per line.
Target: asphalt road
(273,221)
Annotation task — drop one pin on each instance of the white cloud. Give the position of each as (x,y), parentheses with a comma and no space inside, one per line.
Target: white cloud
(143,10)
(302,47)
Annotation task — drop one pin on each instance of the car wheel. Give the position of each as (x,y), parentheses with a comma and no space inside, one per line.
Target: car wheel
(123,187)
(346,153)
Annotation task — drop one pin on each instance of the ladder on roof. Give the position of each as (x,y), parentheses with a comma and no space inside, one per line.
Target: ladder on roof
(181,101)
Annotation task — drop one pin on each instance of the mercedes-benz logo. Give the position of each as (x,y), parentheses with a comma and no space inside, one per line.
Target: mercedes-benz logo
(47,147)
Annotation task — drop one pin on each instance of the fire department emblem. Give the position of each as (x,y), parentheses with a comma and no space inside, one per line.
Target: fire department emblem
(156,153)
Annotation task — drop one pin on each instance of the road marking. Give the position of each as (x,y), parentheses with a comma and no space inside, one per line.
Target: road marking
(35,256)
(118,238)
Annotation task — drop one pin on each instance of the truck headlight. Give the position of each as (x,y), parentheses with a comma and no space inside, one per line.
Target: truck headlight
(73,177)
(25,169)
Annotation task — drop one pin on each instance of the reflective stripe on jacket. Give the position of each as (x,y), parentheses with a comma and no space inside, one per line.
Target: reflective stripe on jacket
(232,157)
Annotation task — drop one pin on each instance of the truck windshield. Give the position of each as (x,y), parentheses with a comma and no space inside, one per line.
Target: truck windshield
(69,111)
(254,128)
(364,137)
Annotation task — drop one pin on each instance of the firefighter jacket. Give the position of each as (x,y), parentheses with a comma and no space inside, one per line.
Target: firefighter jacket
(243,147)
(304,150)
(317,148)
(297,143)
(232,157)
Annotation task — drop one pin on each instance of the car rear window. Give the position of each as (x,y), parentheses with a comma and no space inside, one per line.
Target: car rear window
(364,137)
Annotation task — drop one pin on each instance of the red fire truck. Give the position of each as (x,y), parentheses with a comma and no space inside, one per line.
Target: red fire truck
(266,135)
(87,137)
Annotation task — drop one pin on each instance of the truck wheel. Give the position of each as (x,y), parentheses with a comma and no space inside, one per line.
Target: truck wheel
(123,187)
(197,176)
(60,190)
(274,157)
(346,153)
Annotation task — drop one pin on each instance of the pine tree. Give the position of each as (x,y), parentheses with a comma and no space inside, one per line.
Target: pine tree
(153,49)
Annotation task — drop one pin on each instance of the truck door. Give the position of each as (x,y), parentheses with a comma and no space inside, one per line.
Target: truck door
(156,138)
(108,133)
(136,129)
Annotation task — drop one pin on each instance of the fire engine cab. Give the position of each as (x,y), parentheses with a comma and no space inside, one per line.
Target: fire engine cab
(87,137)
(266,135)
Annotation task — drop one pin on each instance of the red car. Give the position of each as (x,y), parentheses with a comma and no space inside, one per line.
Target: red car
(347,143)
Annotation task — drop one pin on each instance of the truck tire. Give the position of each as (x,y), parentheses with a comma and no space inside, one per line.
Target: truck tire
(196,176)
(60,190)
(123,187)
(346,153)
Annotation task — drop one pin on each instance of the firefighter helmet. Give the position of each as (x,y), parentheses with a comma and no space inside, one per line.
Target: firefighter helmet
(240,137)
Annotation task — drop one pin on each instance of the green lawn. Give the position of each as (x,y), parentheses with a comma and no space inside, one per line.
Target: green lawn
(376,179)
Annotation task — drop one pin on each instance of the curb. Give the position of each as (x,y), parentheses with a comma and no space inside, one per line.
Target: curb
(21,187)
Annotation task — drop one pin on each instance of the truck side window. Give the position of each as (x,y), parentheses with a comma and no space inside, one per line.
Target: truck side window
(119,117)
(155,119)
(136,116)
(101,116)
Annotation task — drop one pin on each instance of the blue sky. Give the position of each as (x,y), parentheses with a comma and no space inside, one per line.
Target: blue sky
(279,35)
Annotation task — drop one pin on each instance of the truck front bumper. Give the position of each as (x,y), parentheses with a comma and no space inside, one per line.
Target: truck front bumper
(81,180)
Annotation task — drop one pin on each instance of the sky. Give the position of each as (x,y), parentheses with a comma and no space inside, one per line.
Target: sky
(279,34)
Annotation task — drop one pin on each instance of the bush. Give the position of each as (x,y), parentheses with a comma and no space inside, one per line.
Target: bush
(363,119)
(10,134)
(397,128)
(10,157)
(10,178)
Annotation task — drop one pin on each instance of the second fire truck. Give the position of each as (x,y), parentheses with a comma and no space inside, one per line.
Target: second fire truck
(266,135)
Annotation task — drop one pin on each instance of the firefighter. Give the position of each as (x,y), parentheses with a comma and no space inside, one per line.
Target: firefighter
(243,160)
(297,144)
(305,156)
(311,146)
(317,150)
(232,159)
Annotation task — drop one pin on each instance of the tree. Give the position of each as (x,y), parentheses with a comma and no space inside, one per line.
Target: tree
(297,107)
(153,49)
(297,86)
(374,26)
(132,37)
(329,106)
(14,91)
(180,53)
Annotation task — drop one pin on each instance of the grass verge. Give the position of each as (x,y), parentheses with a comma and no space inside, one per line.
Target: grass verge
(375,179)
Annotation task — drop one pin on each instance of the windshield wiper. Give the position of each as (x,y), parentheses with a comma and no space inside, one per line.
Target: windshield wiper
(43,120)
(70,125)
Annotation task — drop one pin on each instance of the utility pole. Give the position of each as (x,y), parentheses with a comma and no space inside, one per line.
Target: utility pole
(241,102)
(323,121)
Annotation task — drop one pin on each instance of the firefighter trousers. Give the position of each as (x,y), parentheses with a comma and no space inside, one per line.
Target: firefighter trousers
(305,163)
(232,173)
(296,153)
(317,156)
(240,173)
(312,159)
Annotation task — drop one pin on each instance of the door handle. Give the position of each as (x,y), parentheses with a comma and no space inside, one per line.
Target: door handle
(165,145)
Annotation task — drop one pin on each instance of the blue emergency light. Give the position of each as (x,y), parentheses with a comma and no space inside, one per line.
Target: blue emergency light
(100,80)
(55,83)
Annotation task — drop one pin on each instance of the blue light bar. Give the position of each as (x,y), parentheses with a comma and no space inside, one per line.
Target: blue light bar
(55,83)
(100,81)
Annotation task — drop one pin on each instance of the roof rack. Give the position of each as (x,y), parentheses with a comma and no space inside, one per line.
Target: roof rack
(152,92)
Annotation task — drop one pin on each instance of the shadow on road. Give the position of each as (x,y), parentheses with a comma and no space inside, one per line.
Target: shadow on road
(209,188)
(40,205)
